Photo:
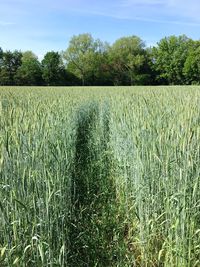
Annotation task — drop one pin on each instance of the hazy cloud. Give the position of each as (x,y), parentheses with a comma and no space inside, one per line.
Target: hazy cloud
(181,9)
(44,25)
(6,23)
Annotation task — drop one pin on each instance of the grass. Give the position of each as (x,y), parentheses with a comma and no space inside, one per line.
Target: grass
(100,177)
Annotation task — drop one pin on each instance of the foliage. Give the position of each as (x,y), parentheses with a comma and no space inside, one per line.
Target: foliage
(127,56)
(169,58)
(30,71)
(11,61)
(192,65)
(89,61)
(84,57)
(53,69)
(1,56)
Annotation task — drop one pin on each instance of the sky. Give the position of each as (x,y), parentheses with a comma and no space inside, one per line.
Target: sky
(46,25)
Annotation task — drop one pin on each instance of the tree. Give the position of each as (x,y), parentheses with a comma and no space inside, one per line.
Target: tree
(85,57)
(30,72)
(149,74)
(191,68)
(169,58)
(11,61)
(53,71)
(100,73)
(1,60)
(97,63)
(1,56)
(127,56)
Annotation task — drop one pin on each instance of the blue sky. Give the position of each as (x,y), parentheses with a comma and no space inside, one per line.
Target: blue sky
(45,25)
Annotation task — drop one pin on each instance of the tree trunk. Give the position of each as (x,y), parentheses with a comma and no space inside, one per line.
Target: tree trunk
(83,80)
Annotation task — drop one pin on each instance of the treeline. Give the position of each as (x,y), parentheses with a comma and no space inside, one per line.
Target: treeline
(89,61)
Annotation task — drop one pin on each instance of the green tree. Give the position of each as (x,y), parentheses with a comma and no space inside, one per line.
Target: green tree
(11,61)
(53,70)
(127,57)
(1,56)
(169,58)
(30,72)
(1,60)
(191,68)
(85,58)
(97,63)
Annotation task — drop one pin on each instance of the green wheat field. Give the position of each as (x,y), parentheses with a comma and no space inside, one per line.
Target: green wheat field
(106,177)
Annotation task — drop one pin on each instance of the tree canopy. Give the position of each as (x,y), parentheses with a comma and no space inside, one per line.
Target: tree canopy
(10,63)
(84,57)
(53,69)
(30,71)
(127,56)
(89,61)
(169,58)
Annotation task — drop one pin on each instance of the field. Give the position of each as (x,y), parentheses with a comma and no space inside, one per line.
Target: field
(106,177)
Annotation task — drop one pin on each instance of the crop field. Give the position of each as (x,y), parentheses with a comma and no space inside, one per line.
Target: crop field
(106,177)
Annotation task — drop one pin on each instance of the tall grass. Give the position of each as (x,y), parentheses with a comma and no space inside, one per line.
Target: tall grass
(100,177)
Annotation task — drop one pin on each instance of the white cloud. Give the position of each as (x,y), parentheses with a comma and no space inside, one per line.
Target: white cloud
(142,19)
(177,8)
(142,2)
(5,23)
(179,12)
